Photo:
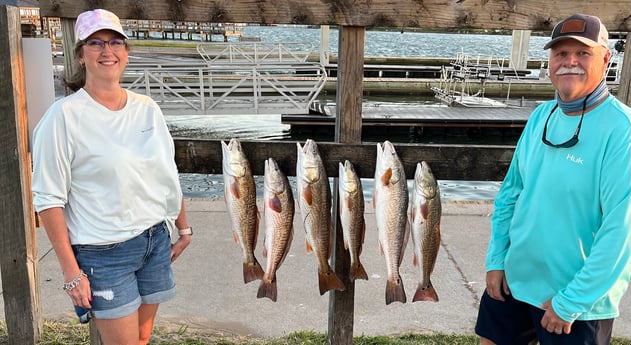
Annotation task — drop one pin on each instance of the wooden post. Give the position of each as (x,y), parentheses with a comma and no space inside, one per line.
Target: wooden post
(624,87)
(348,127)
(18,253)
(324,45)
(71,65)
(519,50)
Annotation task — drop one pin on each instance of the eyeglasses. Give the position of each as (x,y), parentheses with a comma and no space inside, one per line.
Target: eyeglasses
(570,142)
(97,44)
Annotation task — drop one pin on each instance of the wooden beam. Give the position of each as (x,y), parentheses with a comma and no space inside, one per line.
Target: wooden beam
(348,130)
(624,86)
(431,14)
(18,258)
(448,162)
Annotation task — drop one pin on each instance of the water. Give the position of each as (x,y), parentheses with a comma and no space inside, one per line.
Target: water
(410,44)
(378,43)
(212,186)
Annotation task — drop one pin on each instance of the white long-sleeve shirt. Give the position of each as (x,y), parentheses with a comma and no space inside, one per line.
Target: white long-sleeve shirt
(112,172)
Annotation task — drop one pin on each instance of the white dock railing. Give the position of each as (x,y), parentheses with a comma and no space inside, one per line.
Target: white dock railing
(199,88)
(255,52)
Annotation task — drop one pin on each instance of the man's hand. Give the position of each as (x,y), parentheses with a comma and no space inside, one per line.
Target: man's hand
(552,322)
(496,284)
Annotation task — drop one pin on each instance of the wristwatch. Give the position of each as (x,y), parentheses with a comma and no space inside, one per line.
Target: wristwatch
(185,231)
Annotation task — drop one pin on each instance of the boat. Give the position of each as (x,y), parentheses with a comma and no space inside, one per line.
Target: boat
(462,83)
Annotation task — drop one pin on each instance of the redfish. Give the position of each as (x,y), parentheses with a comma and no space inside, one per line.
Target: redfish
(390,200)
(351,206)
(278,215)
(314,198)
(425,213)
(240,198)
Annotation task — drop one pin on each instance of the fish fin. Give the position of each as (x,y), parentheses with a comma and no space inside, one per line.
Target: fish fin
(268,289)
(275,204)
(361,244)
(424,210)
(234,189)
(235,238)
(358,272)
(349,202)
(308,247)
(427,293)
(329,281)
(252,271)
(374,199)
(257,221)
(415,261)
(387,175)
(406,238)
(307,196)
(330,241)
(395,291)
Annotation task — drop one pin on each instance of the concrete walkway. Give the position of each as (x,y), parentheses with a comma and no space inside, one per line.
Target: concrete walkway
(212,296)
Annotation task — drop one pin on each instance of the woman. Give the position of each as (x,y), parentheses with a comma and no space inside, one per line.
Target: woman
(106,187)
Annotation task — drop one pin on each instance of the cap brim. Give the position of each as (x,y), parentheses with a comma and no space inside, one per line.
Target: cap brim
(585,41)
(115,29)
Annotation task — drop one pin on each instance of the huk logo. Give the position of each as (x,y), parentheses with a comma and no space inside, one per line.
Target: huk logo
(577,160)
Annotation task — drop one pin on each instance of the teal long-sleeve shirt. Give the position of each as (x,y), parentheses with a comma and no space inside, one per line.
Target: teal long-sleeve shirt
(561,226)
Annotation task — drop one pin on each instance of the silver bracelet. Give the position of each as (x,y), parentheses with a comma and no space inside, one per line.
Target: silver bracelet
(185,231)
(75,282)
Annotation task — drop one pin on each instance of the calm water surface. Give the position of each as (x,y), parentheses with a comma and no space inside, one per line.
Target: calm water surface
(378,43)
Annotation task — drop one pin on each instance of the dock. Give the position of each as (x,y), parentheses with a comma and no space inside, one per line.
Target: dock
(182,30)
(421,123)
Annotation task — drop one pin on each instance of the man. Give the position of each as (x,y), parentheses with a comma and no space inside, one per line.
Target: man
(558,260)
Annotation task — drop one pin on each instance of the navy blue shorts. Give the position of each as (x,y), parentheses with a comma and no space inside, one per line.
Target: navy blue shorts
(513,322)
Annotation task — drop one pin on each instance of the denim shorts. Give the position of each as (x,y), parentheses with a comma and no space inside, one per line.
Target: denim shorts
(124,275)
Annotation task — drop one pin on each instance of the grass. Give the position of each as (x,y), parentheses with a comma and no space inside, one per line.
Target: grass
(63,333)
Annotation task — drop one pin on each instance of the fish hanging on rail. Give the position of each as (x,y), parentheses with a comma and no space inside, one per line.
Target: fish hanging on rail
(314,198)
(240,199)
(278,216)
(425,213)
(390,200)
(351,206)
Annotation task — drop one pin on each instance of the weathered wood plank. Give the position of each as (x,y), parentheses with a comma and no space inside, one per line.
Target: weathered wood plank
(348,129)
(485,14)
(18,258)
(624,87)
(448,162)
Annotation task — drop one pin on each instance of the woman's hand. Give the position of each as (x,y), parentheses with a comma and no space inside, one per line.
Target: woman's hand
(178,247)
(80,294)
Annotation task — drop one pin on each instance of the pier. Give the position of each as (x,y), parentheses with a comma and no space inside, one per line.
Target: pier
(182,30)
(420,123)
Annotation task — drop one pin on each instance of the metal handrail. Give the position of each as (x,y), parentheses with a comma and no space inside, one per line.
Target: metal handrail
(255,52)
(281,88)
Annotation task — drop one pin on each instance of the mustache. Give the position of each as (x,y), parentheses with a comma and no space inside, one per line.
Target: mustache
(573,70)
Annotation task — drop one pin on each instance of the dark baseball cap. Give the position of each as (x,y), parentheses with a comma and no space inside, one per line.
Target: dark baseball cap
(581,27)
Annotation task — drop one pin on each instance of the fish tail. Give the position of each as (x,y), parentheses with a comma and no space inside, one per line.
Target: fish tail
(267,289)
(252,271)
(395,291)
(358,272)
(329,281)
(425,293)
